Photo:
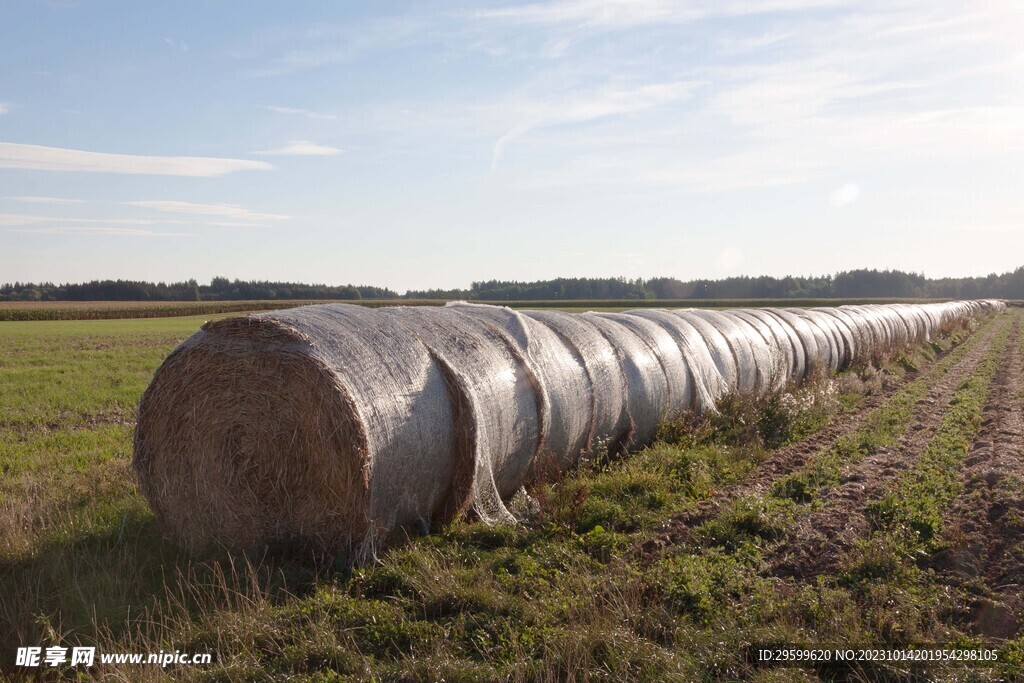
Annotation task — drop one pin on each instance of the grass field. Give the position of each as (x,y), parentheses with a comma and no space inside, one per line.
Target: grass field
(884,506)
(92,310)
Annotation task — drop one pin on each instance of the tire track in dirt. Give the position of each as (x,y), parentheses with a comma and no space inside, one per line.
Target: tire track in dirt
(817,542)
(791,458)
(985,530)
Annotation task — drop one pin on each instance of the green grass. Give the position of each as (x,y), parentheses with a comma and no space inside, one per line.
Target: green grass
(89,310)
(572,595)
(924,491)
(881,427)
(60,375)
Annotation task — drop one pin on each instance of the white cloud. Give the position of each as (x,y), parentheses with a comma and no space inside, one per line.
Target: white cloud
(232,211)
(55,201)
(18,219)
(5,107)
(239,215)
(822,106)
(39,158)
(845,195)
(589,105)
(301,148)
(308,113)
(174,44)
(629,13)
(29,223)
(71,230)
(326,43)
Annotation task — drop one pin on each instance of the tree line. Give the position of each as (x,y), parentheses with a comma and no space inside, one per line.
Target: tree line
(219,289)
(854,284)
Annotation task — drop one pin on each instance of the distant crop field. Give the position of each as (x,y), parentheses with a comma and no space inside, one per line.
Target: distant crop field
(880,507)
(100,310)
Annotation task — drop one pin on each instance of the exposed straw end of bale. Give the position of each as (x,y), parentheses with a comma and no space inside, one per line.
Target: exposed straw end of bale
(246,438)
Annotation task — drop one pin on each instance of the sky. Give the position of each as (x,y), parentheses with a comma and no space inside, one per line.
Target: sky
(432,144)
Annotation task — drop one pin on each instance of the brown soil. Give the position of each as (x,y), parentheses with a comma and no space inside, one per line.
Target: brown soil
(791,458)
(817,542)
(985,530)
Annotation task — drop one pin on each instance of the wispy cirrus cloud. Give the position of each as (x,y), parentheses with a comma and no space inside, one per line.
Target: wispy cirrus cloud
(40,158)
(175,44)
(239,214)
(233,211)
(22,220)
(300,148)
(5,108)
(109,231)
(308,113)
(588,105)
(630,13)
(188,214)
(51,201)
(326,43)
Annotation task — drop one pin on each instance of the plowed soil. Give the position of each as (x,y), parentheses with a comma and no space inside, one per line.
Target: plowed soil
(985,528)
(842,517)
(817,542)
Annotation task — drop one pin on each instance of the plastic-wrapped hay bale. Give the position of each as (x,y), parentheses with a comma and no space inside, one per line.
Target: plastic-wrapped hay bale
(486,372)
(707,382)
(899,329)
(933,314)
(884,322)
(322,426)
(336,428)
(916,314)
(825,336)
(842,341)
(646,386)
(908,318)
(779,346)
(767,357)
(610,423)
(788,339)
(561,378)
(748,375)
(871,340)
(851,330)
(804,341)
(917,321)
(717,344)
(679,393)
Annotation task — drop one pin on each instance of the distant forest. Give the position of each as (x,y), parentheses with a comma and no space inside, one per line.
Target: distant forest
(855,284)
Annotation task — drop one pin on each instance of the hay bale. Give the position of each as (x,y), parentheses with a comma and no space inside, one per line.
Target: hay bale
(842,332)
(645,385)
(900,330)
(778,346)
(337,428)
(748,375)
(788,339)
(562,383)
(708,385)
(486,372)
(808,337)
(610,423)
(678,382)
(767,358)
(829,344)
(290,427)
(717,345)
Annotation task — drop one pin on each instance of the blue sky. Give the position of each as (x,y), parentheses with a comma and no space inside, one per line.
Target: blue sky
(430,144)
